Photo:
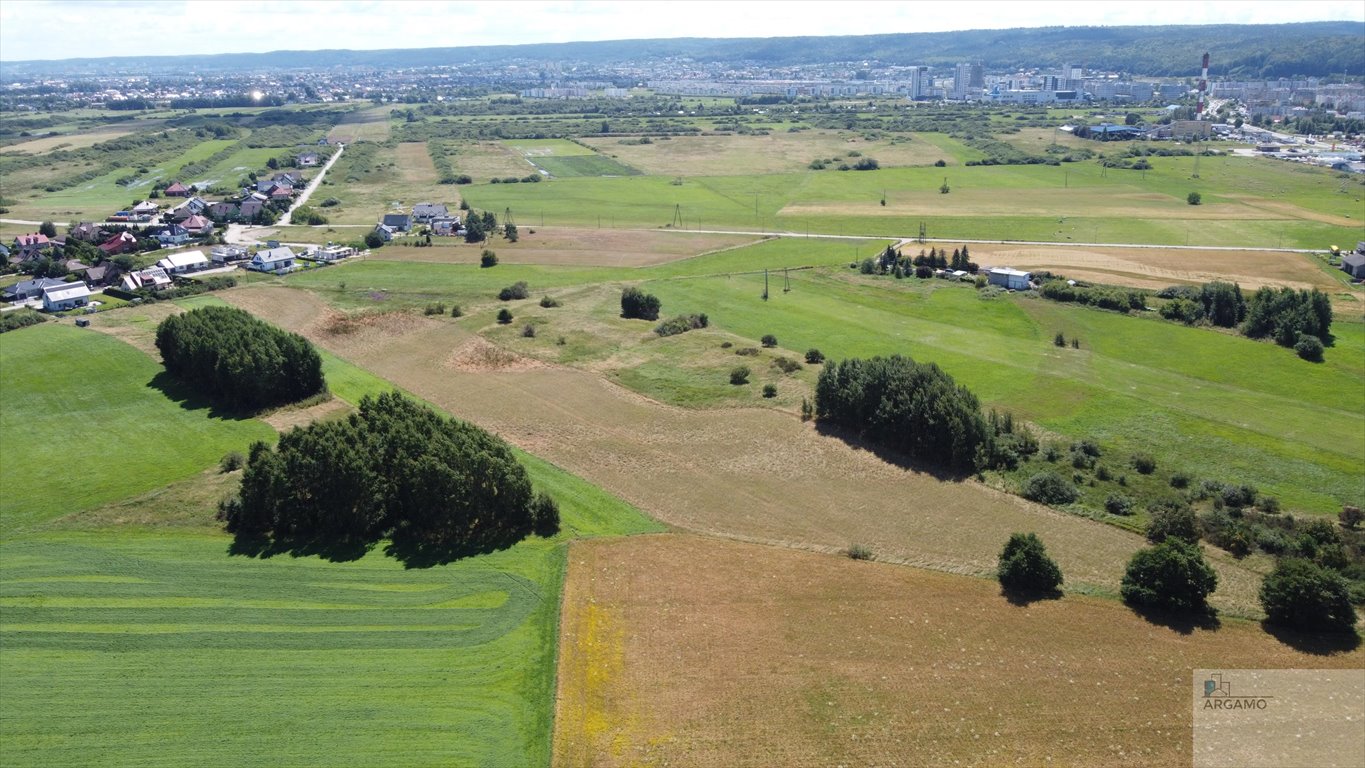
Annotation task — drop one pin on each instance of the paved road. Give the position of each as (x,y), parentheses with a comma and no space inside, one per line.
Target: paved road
(313,185)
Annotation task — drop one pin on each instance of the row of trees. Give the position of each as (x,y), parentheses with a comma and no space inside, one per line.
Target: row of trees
(393,469)
(1282,314)
(238,360)
(1173,577)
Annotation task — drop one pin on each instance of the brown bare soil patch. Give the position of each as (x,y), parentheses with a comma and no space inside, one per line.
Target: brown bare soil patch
(683,650)
(1160,267)
(779,152)
(751,474)
(81,139)
(562,246)
(135,325)
(286,419)
(475,355)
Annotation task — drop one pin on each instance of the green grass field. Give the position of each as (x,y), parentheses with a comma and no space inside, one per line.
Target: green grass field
(86,421)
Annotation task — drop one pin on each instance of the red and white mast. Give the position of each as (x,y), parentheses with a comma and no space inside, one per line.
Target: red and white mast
(1203,88)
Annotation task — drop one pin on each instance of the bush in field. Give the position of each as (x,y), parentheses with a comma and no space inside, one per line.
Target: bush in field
(770,390)
(681,324)
(236,359)
(1048,487)
(231,462)
(814,356)
(859,552)
(548,303)
(1351,517)
(517,290)
(1309,348)
(1171,576)
(1025,567)
(769,340)
(1144,463)
(739,375)
(504,316)
(455,311)
(529,331)
(1118,504)
(1302,595)
(638,305)
(1172,519)
(786,365)
(488,259)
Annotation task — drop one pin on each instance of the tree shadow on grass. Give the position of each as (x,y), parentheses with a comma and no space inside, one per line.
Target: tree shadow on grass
(332,550)
(893,457)
(417,553)
(1184,622)
(1025,597)
(1316,643)
(189,399)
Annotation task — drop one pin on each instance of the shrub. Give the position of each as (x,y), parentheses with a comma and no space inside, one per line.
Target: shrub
(1086,447)
(769,390)
(1170,576)
(1302,595)
(1171,518)
(747,351)
(814,356)
(548,303)
(1059,340)
(1025,566)
(636,304)
(23,318)
(940,163)
(769,340)
(739,375)
(434,309)
(807,409)
(1118,504)
(517,290)
(231,462)
(455,311)
(1194,198)
(681,324)
(488,259)
(528,331)
(1144,463)
(859,552)
(786,365)
(1180,480)
(544,516)
(1309,348)
(1268,504)
(1350,517)
(1048,487)
(237,359)
(505,316)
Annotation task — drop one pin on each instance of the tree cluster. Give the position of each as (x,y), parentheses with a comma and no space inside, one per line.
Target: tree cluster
(638,305)
(913,408)
(393,469)
(1104,297)
(237,359)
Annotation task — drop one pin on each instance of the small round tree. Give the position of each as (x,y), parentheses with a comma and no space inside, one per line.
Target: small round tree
(1309,347)
(488,259)
(740,375)
(1048,487)
(1172,519)
(769,340)
(505,316)
(1026,568)
(1194,198)
(1171,576)
(815,356)
(1300,594)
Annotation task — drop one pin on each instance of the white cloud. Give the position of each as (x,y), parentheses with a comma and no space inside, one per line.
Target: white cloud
(56,29)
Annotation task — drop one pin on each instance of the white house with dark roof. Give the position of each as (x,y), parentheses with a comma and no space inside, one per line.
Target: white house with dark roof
(180,263)
(59,298)
(279,259)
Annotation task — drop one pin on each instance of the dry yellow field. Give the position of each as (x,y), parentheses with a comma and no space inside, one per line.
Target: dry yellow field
(414,164)
(362,125)
(484,160)
(755,474)
(81,139)
(683,650)
(778,152)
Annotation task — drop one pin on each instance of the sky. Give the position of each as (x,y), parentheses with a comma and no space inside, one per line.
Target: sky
(63,29)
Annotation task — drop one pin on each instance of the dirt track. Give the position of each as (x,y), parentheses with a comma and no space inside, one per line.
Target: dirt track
(749,474)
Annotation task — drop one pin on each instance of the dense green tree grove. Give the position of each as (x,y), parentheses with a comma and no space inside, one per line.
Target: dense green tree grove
(394,469)
(1025,567)
(914,408)
(238,360)
(636,304)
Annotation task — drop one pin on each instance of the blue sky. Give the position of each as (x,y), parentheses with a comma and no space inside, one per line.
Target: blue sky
(61,29)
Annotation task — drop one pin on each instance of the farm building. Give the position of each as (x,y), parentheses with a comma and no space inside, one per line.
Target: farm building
(180,263)
(59,298)
(1353,264)
(1012,279)
(279,259)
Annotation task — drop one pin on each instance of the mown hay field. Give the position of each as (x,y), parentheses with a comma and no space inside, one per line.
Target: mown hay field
(678,649)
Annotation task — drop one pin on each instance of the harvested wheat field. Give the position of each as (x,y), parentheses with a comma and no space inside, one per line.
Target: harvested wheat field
(569,247)
(684,650)
(1158,267)
(745,473)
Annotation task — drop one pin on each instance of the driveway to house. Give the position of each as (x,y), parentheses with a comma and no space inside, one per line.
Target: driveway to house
(308,191)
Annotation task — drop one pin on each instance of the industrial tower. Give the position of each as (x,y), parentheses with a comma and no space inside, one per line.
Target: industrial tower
(1203,88)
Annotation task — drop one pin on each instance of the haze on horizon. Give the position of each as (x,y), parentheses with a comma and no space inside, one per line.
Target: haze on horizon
(65,29)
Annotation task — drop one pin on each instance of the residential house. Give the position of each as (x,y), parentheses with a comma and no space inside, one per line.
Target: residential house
(198,226)
(153,278)
(29,289)
(145,208)
(308,159)
(288,179)
(423,213)
(176,189)
(29,246)
(385,233)
(86,232)
(281,193)
(1012,279)
(251,208)
(173,234)
(4,254)
(223,254)
(334,253)
(121,242)
(445,225)
(105,274)
(399,222)
(195,205)
(176,215)
(181,263)
(59,298)
(76,267)
(1353,264)
(223,211)
(279,259)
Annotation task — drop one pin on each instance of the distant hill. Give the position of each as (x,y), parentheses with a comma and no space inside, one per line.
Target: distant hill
(1238,50)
